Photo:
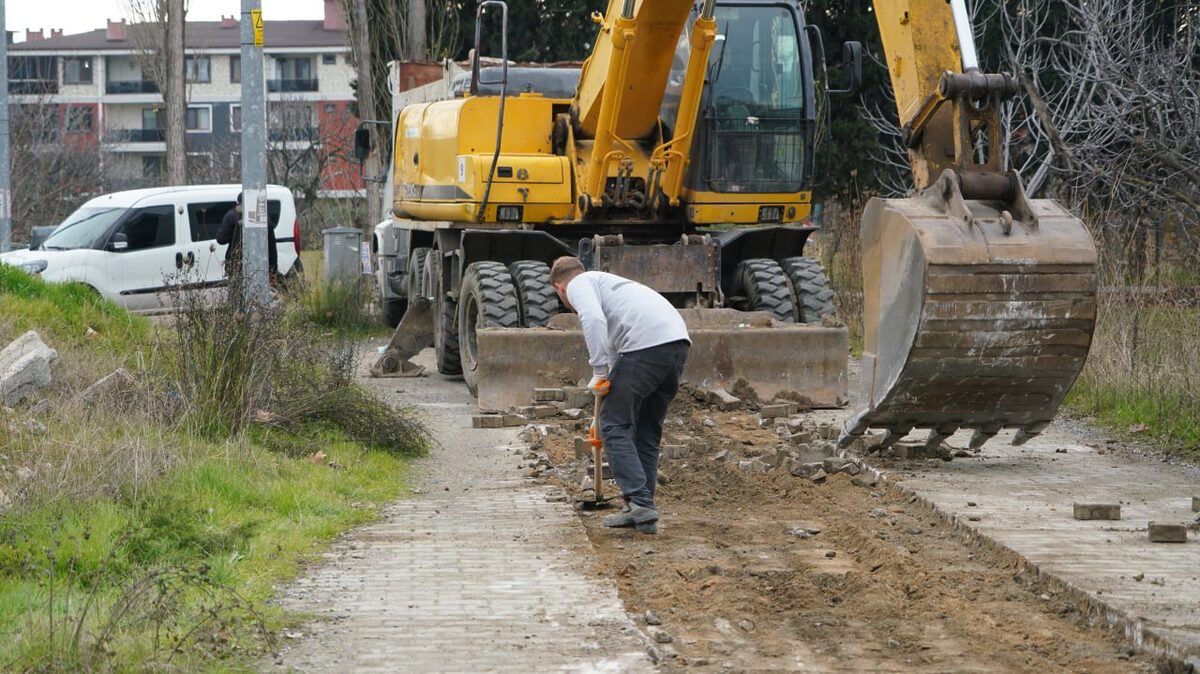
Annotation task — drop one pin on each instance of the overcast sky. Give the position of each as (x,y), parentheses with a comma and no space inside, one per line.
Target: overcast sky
(80,16)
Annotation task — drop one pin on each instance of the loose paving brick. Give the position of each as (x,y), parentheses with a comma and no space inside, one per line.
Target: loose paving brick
(488,421)
(481,571)
(549,395)
(1167,532)
(1097,511)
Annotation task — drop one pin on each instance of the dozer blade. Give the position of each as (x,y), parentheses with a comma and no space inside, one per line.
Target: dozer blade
(972,319)
(414,333)
(727,345)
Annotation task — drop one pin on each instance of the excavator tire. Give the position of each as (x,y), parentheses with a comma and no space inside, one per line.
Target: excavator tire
(812,293)
(445,332)
(416,274)
(765,286)
(488,299)
(538,300)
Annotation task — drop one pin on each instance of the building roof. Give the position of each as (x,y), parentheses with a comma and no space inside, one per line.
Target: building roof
(199,35)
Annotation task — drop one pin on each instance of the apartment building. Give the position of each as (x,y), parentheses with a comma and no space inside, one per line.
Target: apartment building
(99,92)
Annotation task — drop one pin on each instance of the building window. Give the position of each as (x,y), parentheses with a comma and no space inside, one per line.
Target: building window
(152,119)
(329,59)
(330,108)
(77,70)
(235,69)
(81,120)
(198,69)
(235,118)
(199,119)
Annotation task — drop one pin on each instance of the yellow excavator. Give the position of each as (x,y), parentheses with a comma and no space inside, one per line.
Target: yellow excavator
(683,157)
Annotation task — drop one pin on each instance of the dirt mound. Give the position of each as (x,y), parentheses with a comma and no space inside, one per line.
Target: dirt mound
(755,569)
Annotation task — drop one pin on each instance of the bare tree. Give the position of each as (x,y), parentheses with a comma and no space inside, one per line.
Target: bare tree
(54,170)
(157,31)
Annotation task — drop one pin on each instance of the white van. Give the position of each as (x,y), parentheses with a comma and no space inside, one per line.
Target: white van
(131,247)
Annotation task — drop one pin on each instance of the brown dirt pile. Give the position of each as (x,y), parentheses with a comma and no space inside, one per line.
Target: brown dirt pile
(755,571)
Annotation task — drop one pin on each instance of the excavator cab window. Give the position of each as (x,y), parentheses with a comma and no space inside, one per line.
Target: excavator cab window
(759,127)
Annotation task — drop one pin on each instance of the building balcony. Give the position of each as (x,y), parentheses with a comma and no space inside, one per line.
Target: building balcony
(136,136)
(32,87)
(130,87)
(291,86)
(293,135)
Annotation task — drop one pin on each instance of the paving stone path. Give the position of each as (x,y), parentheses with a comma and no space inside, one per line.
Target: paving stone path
(480,571)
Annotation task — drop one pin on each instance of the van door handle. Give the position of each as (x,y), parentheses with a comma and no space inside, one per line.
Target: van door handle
(179,260)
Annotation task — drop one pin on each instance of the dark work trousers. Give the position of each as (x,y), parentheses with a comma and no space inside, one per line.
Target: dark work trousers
(631,421)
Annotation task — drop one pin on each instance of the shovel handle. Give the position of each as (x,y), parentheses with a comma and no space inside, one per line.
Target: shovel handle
(597,453)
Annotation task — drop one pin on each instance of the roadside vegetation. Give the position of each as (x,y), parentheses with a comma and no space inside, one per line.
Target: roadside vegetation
(144,525)
(1140,377)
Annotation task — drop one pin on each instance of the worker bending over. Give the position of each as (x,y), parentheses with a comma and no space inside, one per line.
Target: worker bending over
(637,345)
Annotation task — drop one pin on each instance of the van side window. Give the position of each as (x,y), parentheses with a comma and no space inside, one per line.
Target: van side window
(204,219)
(152,227)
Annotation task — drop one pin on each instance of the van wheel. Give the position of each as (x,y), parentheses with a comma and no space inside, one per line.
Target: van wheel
(488,300)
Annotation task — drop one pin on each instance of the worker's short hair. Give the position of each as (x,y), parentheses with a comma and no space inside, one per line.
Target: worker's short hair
(565,268)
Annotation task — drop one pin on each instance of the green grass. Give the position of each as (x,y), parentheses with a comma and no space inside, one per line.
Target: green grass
(62,314)
(1141,376)
(150,535)
(246,514)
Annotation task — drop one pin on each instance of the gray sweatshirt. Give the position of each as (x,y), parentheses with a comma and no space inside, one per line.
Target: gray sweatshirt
(619,316)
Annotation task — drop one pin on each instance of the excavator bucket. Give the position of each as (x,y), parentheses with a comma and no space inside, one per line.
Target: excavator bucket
(770,357)
(973,317)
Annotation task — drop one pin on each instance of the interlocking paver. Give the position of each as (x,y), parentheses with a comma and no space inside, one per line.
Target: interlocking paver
(477,573)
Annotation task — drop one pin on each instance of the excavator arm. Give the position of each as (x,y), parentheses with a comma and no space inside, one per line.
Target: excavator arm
(621,91)
(979,303)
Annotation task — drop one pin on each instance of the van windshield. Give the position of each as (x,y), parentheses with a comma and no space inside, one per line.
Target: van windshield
(82,228)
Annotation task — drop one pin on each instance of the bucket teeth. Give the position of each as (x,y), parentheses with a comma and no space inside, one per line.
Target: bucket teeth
(892,436)
(979,437)
(1029,432)
(851,430)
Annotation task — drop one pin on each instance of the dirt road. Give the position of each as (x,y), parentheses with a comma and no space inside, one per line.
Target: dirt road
(766,571)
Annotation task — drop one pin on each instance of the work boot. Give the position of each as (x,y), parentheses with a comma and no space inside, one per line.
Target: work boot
(632,516)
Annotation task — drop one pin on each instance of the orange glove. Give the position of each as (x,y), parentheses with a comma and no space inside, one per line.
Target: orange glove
(599,385)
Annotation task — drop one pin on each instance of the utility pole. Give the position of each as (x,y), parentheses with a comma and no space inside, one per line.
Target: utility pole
(175,94)
(417,38)
(255,284)
(5,166)
(361,43)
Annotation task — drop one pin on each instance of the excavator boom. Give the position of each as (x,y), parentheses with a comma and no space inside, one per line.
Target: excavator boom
(979,303)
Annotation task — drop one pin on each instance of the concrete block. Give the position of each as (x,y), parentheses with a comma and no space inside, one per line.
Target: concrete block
(583,449)
(488,421)
(1097,511)
(23,378)
(773,411)
(578,397)
(721,399)
(538,411)
(515,420)
(549,395)
(1161,532)
(674,451)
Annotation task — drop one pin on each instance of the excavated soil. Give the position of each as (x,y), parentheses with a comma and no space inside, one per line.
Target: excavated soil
(764,571)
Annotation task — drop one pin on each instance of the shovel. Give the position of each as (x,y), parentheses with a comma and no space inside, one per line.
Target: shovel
(598,501)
